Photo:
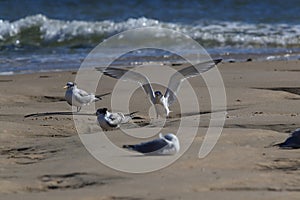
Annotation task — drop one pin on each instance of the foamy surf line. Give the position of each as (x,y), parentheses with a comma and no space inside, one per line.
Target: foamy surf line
(38,30)
(130,62)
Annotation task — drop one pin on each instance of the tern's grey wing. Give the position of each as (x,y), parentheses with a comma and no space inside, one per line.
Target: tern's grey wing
(149,147)
(293,141)
(82,93)
(185,73)
(82,96)
(127,75)
(296,133)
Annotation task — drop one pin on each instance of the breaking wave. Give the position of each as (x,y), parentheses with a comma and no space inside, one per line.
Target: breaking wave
(38,30)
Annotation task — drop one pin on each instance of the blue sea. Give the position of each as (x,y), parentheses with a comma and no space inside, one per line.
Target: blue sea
(39,35)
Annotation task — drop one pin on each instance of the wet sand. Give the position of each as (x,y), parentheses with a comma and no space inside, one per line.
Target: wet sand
(42,157)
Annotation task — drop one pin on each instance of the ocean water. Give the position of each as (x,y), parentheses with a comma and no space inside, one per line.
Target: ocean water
(37,35)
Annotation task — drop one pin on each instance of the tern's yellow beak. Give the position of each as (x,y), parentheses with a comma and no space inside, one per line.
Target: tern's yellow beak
(65,87)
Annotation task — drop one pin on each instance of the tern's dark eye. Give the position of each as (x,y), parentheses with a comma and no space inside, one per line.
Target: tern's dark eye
(70,84)
(158,93)
(168,137)
(102,110)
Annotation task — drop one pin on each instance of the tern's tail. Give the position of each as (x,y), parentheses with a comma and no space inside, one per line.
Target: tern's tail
(218,60)
(102,95)
(131,114)
(127,117)
(277,144)
(131,147)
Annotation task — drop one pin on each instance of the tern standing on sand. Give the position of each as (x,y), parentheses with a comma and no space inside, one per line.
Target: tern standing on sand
(78,97)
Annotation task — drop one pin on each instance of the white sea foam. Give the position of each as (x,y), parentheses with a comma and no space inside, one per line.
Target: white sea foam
(213,33)
(6,73)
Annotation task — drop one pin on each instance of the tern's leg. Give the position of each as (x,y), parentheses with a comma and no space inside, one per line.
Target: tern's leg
(168,114)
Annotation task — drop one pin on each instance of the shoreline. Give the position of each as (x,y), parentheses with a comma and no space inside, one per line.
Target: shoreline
(289,55)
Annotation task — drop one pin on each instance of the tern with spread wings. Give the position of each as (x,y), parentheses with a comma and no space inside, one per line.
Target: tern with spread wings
(157,98)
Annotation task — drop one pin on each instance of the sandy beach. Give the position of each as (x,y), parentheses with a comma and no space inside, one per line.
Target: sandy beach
(42,157)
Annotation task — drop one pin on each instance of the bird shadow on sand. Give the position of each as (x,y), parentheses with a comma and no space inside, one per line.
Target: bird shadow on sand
(189,114)
(291,90)
(146,155)
(57,113)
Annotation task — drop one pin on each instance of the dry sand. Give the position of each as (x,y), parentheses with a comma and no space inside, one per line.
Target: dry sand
(42,157)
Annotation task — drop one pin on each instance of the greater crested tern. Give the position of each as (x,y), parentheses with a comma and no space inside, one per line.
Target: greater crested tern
(165,145)
(156,97)
(109,121)
(78,97)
